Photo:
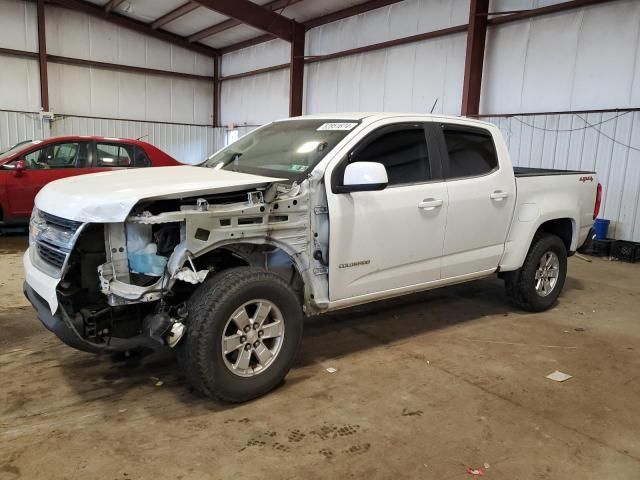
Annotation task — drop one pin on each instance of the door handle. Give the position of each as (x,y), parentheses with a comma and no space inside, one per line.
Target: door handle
(499,195)
(430,203)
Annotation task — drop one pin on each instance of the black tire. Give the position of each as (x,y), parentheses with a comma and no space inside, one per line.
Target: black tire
(199,353)
(521,284)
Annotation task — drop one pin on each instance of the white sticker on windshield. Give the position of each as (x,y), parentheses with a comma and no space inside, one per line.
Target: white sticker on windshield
(337,126)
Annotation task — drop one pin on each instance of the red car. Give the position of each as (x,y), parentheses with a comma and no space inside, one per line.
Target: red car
(28,166)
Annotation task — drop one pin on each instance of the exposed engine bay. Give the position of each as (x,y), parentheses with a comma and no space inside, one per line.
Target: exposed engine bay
(131,280)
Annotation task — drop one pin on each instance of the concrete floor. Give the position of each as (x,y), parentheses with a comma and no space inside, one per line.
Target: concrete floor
(425,387)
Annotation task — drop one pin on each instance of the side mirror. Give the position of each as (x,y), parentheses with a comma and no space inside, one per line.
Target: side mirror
(364,177)
(20,167)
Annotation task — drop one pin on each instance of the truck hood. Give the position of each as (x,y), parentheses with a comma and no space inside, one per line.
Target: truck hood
(109,196)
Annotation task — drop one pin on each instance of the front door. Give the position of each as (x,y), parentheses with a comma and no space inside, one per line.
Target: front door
(42,166)
(392,238)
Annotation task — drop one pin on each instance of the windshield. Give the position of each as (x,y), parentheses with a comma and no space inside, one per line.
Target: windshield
(16,148)
(288,149)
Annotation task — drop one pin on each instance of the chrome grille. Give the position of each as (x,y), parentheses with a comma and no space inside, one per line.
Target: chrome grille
(53,241)
(61,223)
(51,254)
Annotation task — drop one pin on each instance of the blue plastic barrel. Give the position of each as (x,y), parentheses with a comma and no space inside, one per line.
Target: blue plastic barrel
(601,226)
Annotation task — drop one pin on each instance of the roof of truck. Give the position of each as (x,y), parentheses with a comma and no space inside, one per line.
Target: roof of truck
(373,116)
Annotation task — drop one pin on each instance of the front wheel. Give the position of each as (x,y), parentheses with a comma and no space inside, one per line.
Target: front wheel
(537,285)
(244,329)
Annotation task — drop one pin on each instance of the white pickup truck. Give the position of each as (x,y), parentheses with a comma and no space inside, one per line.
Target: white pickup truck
(302,216)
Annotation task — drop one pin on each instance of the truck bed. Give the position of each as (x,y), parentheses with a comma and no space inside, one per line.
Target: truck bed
(540,172)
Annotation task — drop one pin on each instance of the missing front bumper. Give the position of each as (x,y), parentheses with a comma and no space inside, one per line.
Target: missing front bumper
(60,324)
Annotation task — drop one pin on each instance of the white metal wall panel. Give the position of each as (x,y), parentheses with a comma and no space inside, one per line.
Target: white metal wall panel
(511,5)
(98,92)
(18,24)
(611,147)
(186,143)
(409,77)
(19,84)
(18,126)
(275,52)
(219,136)
(582,59)
(394,21)
(255,100)
(74,34)
(403,78)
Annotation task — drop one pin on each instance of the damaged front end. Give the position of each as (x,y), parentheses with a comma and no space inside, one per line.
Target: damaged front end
(126,285)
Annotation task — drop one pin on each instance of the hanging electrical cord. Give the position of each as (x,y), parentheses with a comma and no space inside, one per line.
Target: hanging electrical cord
(607,136)
(563,130)
(585,127)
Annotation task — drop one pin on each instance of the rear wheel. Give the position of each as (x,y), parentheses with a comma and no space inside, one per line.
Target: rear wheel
(244,329)
(537,285)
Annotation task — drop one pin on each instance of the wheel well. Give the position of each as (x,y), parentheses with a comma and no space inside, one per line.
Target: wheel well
(268,257)
(561,227)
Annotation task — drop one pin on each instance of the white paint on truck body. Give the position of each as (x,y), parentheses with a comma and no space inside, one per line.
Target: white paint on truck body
(375,244)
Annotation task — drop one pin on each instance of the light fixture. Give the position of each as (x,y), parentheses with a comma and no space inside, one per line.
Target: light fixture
(308,147)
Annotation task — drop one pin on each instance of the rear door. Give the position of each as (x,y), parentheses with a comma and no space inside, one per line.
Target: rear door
(392,238)
(482,195)
(111,155)
(44,165)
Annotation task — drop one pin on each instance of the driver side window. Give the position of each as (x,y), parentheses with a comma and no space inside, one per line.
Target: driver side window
(403,152)
(32,160)
(59,155)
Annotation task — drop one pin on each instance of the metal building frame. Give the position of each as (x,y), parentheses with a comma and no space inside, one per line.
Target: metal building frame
(274,25)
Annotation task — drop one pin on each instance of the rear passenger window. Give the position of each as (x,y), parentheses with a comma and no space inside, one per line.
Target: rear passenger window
(113,155)
(471,153)
(402,151)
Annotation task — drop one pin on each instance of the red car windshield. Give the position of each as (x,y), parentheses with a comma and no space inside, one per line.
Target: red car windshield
(16,148)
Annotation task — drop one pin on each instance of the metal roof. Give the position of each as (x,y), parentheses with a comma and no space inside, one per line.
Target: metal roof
(191,17)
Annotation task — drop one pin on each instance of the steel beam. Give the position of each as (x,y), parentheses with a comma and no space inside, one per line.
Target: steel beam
(112,4)
(124,68)
(135,25)
(81,62)
(42,58)
(536,12)
(259,71)
(18,53)
(561,112)
(296,71)
(216,92)
(354,51)
(232,22)
(474,60)
(181,11)
(367,6)
(253,15)
(389,43)
(348,12)
(247,43)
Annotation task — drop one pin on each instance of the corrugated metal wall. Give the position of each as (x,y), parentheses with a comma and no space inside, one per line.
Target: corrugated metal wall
(588,58)
(18,126)
(97,92)
(582,59)
(186,143)
(175,113)
(611,147)
(404,78)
